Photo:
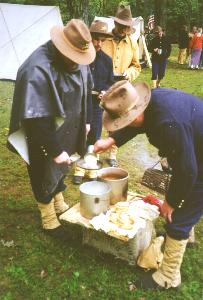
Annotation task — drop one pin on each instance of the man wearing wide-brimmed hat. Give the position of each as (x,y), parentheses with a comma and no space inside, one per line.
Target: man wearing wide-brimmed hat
(50,114)
(124,53)
(102,73)
(173,123)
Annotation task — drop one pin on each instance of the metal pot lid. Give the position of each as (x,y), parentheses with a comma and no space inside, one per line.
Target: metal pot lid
(82,164)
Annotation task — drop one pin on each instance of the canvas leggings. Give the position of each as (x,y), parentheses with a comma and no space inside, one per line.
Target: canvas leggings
(185,217)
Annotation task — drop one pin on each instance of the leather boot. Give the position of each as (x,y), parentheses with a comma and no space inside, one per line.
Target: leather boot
(48,215)
(59,204)
(168,275)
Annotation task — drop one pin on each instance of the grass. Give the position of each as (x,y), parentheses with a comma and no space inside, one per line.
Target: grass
(36,267)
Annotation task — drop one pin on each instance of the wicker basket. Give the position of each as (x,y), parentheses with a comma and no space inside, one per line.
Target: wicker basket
(157,180)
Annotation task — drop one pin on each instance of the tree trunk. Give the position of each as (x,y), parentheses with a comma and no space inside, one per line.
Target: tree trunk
(84,11)
(160,8)
(78,9)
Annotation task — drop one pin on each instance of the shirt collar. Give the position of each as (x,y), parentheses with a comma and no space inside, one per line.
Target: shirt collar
(116,38)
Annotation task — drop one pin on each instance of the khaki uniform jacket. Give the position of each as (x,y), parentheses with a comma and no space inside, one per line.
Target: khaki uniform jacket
(125,56)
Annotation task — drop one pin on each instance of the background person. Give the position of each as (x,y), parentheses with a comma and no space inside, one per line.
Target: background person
(191,34)
(196,48)
(183,42)
(53,84)
(125,55)
(102,73)
(173,123)
(160,48)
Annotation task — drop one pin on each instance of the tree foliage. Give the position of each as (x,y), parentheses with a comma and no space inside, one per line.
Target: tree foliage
(170,14)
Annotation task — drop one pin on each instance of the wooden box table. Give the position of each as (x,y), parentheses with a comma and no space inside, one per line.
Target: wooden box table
(121,247)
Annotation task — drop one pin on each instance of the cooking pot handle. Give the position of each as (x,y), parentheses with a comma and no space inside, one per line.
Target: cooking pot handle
(96,200)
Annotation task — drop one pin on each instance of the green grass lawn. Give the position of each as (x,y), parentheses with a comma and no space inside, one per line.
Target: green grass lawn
(35,267)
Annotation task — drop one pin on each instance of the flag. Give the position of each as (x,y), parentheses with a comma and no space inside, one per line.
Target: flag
(151,22)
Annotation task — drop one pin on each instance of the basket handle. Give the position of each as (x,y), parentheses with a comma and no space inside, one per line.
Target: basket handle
(157,163)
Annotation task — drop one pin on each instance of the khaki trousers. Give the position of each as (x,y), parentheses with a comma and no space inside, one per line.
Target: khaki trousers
(182,56)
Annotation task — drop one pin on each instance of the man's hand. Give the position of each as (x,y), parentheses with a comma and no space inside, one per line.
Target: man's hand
(101,94)
(126,76)
(63,158)
(87,128)
(166,211)
(103,145)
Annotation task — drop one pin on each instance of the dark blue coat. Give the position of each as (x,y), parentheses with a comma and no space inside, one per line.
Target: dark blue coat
(174,124)
(160,43)
(102,71)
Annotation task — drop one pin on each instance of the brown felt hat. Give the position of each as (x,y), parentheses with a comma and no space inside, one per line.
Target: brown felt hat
(100,28)
(123,102)
(74,41)
(124,16)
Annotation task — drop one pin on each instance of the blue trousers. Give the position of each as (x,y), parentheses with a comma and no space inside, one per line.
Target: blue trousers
(96,123)
(158,69)
(184,218)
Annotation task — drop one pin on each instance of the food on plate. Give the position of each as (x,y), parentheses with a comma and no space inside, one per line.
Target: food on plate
(113,218)
(121,206)
(121,218)
(126,226)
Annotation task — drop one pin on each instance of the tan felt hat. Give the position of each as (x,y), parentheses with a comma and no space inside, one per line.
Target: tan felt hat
(100,28)
(124,16)
(74,41)
(123,102)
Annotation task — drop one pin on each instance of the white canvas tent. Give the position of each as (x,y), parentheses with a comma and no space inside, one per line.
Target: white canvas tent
(136,36)
(22,29)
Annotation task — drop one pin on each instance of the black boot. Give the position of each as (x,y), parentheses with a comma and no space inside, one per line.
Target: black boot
(57,233)
(147,282)
(77,179)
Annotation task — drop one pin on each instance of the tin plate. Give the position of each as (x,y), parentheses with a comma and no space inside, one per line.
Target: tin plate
(82,164)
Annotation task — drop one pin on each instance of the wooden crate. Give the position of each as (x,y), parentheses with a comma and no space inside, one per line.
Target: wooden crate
(127,250)
(120,246)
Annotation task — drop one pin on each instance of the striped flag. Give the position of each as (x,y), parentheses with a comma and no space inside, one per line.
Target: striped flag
(151,22)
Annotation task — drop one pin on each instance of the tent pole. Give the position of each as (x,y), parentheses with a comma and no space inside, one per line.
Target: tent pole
(146,51)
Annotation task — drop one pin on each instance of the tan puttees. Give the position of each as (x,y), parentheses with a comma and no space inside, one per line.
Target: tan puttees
(59,204)
(48,215)
(168,275)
